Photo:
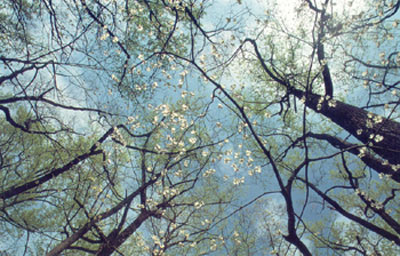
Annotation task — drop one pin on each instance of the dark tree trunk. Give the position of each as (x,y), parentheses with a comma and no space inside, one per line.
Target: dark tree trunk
(365,126)
(112,243)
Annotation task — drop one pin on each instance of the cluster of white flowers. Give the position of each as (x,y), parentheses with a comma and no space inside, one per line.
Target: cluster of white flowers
(150,203)
(213,245)
(236,238)
(384,176)
(192,140)
(118,136)
(178,173)
(319,105)
(131,119)
(238,181)
(369,123)
(104,36)
(376,137)
(373,204)
(209,172)
(164,109)
(172,142)
(377,205)
(160,244)
(359,192)
(169,192)
(363,151)
(395,167)
(332,103)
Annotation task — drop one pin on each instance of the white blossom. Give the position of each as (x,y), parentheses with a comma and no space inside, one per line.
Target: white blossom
(378,138)
(362,151)
(198,204)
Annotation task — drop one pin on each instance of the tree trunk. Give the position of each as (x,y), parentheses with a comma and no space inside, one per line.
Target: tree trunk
(365,126)
(109,246)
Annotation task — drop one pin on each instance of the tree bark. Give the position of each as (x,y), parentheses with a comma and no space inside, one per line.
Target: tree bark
(363,125)
(111,245)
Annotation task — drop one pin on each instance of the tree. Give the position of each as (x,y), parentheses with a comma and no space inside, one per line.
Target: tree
(113,145)
(317,67)
(90,153)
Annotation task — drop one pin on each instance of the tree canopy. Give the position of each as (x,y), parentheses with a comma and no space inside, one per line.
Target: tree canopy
(163,127)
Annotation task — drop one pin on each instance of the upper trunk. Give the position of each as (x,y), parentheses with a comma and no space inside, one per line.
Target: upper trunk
(380,134)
